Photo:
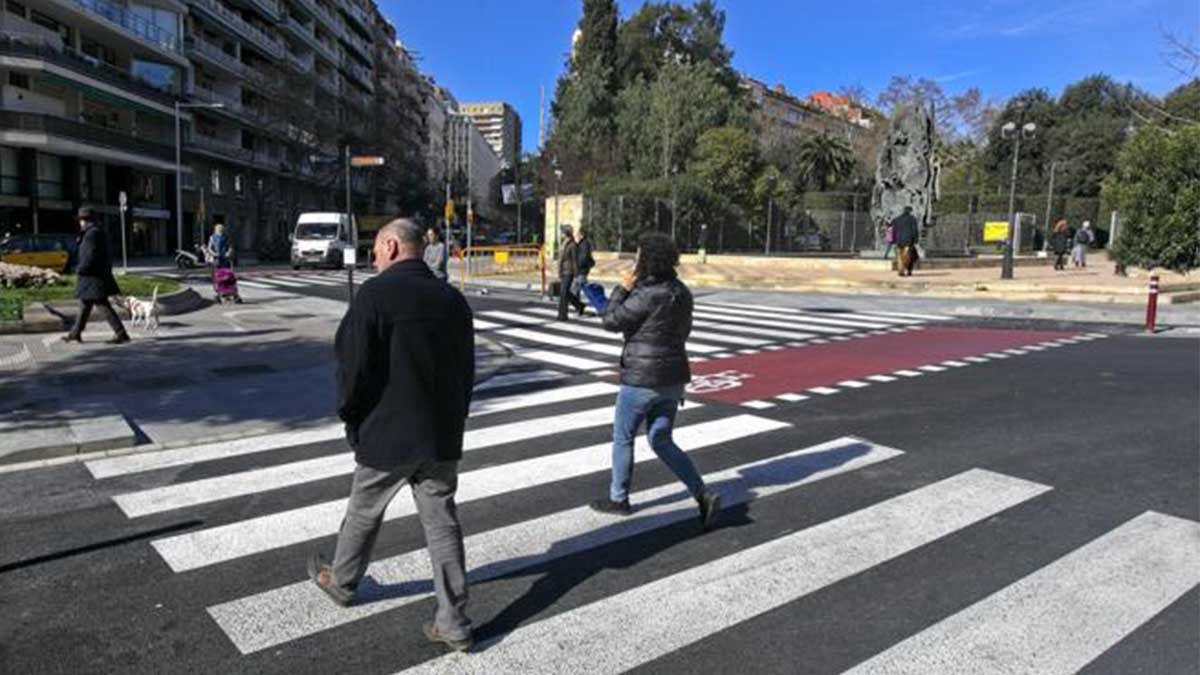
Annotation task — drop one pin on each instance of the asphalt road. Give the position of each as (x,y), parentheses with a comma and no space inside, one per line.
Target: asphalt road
(904,494)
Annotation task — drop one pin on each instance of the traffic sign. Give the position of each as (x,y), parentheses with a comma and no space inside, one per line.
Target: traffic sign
(449,209)
(366,160)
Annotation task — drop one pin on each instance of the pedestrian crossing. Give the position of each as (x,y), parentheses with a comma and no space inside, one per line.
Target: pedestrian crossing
(542,436)
(290,283)
(719,331)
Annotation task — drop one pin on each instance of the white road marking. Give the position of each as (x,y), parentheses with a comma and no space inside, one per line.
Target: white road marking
(931,369)
(255,284)
(789,310)
(277,282)
(881,378)
(824,391)
(488,406)
(807,317)
(1017,352)
(518,378)
(589,331)
(908,373)
(792,398)
(955,364)
(297,610)
(560,341)
(853,384)
(758,405)
(318,281)
(729,339)
(975,359)
(925,317)
(481,324)
(750,330)
(557,359)
(997,355)
(1034,348)
(519,319)
(630,629)
(770,323)
(214,545)
(1066,614)
(748,351)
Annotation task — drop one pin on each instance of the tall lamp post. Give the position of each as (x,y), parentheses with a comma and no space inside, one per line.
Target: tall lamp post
(179,167)
(1015,130)
(557,181)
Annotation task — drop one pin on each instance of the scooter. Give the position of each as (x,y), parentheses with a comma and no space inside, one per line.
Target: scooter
(187,260)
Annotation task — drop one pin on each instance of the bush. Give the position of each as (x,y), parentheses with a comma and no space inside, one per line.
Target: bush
(1156,191)
(24,276)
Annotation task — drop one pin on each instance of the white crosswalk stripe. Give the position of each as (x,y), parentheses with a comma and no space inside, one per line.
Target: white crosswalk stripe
(808,318)
(627,630)
(280,615)
(1096,595)
(726,316)
(218,544)
(874,317)
(589,331)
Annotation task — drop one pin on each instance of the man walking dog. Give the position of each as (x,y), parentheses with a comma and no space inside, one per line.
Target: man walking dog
(406,369)
(94,280)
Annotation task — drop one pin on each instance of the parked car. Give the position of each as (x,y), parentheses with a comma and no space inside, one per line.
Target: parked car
(50,251)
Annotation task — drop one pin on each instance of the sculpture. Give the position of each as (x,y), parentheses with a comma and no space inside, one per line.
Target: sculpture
(907,171)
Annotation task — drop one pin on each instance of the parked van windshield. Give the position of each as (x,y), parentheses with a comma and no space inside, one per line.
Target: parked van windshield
(317,231)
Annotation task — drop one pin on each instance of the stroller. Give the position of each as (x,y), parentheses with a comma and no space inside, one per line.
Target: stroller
(225,284)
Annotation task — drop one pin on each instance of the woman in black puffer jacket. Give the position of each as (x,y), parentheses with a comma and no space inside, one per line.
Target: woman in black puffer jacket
(653,309)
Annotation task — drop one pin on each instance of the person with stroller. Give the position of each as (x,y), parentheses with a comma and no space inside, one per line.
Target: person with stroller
(218,247)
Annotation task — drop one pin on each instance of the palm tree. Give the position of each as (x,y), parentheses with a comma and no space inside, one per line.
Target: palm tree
(823,160)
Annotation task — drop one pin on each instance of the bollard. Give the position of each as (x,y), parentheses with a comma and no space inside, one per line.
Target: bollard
(1152,304)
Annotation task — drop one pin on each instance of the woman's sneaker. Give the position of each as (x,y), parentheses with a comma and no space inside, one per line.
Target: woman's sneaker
(710,506)
(609,506)
(434,635)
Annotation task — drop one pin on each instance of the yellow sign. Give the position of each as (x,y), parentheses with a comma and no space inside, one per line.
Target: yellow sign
(995,231)
(501,257)
(449,210)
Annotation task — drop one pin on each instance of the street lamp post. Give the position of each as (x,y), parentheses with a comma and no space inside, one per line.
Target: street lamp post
(1049,202)
(1027,130)
(179,167)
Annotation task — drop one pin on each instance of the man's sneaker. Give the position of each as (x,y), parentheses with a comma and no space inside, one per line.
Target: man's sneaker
(609,506)
(710,506)
(434,635)
(118,339)
(322,575)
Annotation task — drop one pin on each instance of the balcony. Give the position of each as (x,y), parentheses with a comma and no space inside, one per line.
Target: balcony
(255,36)
(215,145)
(201,49)
(330,83)
(304,32)
(17,45)
(360,46)
(357,72)
(301,63)
(352,10)
(117,14)
(87,134)
(272,9)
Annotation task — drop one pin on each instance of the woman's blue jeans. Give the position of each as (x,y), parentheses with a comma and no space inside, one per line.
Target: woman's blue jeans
(656,406)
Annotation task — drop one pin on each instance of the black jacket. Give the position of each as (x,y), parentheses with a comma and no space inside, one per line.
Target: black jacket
(95,279)
(568,261)
(1060,242)
(656,318)
(406,368)
(583,255)
(904,226)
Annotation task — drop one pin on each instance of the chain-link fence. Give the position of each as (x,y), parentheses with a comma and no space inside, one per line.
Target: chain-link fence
(828,223)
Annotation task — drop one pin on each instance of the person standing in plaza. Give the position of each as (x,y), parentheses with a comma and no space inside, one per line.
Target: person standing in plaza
(653,309)
(585,262)
(218,247)
(1083,239)
(406,368)
(435,253)
(1060,243)
(94,281)
(906,233)
(568,267)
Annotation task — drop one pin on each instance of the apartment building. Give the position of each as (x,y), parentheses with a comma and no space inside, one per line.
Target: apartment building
(459,155)
(778,112)
(501,127)
(266,93)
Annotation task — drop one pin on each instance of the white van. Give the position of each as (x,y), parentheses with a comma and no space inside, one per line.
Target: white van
(319,239)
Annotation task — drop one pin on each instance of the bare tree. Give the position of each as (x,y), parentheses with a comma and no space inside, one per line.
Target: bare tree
(1182,53)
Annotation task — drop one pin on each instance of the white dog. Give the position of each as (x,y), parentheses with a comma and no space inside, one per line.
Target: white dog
(145,311)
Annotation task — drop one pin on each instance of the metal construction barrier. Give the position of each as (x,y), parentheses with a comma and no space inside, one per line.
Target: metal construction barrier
(527,263)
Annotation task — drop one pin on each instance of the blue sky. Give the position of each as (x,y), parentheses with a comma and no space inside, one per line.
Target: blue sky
(506,49)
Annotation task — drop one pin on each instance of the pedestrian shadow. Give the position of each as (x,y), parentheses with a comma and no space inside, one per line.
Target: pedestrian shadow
(624,543)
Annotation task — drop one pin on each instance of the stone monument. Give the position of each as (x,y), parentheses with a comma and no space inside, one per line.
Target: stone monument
(907,171)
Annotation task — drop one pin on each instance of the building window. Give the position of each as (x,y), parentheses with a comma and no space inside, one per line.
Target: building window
(157,75)
(237,184)
(18,80)
(10,174)
(50,176)
(216,182)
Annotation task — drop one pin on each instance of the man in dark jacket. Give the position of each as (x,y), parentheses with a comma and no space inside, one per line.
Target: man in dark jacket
(94,280)
(585,262)
(406,369)
(905,229)
(568,267)
(653,309)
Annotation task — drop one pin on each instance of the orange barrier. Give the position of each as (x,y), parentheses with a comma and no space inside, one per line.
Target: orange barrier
(499,261)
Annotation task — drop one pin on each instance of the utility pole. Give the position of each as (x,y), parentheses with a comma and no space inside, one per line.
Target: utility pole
(620,224)
(770,213)
(1016,130)
(1049,201)
(520,196)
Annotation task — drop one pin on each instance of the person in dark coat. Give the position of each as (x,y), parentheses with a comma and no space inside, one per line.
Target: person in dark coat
(94,281)
(1060,243)
(568,267)
(584,262)
(406,369)
(906,232)
(653,309)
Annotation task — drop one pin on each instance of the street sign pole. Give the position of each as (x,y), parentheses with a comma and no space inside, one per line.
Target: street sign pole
(124,200)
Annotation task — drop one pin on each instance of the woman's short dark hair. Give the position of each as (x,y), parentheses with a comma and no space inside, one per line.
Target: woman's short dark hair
(658,256)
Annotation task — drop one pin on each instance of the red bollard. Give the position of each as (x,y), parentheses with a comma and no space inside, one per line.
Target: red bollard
(1152,304)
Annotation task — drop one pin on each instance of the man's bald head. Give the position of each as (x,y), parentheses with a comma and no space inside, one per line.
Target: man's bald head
(401,239)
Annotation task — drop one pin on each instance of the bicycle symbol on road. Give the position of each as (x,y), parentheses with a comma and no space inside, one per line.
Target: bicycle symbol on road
(714,382)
